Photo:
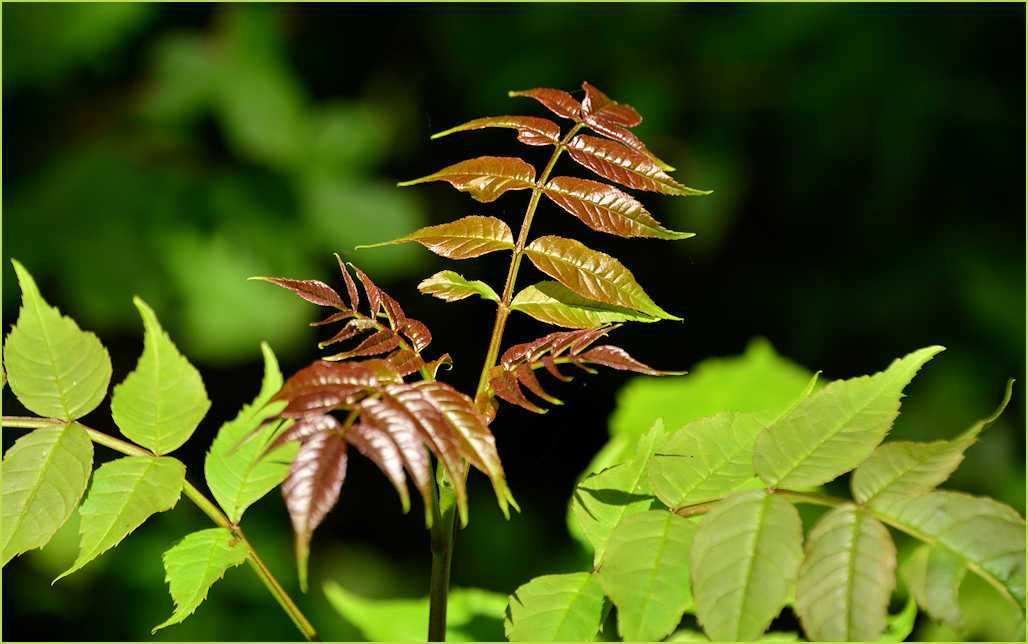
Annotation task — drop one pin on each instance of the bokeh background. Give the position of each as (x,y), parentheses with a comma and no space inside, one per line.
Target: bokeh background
(869,200)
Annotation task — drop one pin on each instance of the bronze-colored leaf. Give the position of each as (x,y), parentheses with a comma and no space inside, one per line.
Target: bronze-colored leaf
(418,334)
(532,130)
(592,274)
(506,387)
(351,288)
(351,329)
(618,358)
(600,106)
(406,362)
(302,430)
(379,448)
(605,208)
(620,163)
(556,100)
(551,367)
(378,343)
(442,361)
(338,316)
(314,291)
(554,303)
(526,376)
(484,178)
(371,290)
(323,386)
(464,238)
(554,344)
(312,489)
(392,419)
(394,312)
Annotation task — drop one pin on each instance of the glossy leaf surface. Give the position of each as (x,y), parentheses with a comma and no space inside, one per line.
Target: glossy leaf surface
(484,178)
(607,209)
(322,386)
(467,237)
(621,164)
(532,130)
(54,368)
(600,106)
(556,304)
(314,291)
(552,608)
(451,286)
(556,100)
(378,447)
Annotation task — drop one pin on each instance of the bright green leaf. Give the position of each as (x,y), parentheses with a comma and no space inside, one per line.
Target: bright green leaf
(159,404)
(44,475)
(933,576)
(645,572)
(745,558)
(898,627)
(55,369)
(125,493)
(847,577)
(834,430)
(554,608)
(452,286)
(554,303)
(194,564)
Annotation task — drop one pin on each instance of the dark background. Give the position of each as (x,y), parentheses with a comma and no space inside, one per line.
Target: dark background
(869,200)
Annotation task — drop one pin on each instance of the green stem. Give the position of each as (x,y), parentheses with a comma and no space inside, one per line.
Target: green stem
(206,506)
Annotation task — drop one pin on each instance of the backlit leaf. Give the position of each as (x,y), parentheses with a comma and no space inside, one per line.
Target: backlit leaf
(532,130)
(555,608)
(836,428)
(382,341)
(312,489)
(620,163)
(125,493)
(162,401)
(933,575)
(554,303)
(605,208)
(745,558)
(54,368)
(451,286)
(314,291)
(484,178)
(846,578)
(194,564)
(323,386)
(645,572)
(379,447)
(44,475)
(556,100)
(467,237)
(592,274)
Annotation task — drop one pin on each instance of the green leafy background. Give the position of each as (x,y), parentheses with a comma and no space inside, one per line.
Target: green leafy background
(868,201)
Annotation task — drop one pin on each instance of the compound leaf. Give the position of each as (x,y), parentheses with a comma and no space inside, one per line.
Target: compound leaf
(846,578)
(556,304)
(619,163)
(314,291)
(467,237)
(532,130)
(484,178)
(451,286)
(194,564)
(645,572)
(162,401)
(933,576)
(607,209)
(555,608)
(556,100)
(836,428)
(745,558)
(45,473)
(54,368)
(125,493)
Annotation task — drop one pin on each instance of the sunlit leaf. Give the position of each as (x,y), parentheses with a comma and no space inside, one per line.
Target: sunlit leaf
(351,288)
(451,286)
(836,428)
(467,237)
(54,368)
(322,386)
(379,447)
(44,475)
(645,572)
(314,291)
(554,303)
(846,578)
(620,163)
(899,626)
(484,178)
(601,106)
(532,130)
(125,493)
(617,358)
(195,564)
(745,558)
(605,208)
(382,341)
(162,401)
(592,274)
(556,100)
(933,576)
(555,608)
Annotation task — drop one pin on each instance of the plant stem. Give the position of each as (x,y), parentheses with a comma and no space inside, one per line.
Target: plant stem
(442,540)
(206,506)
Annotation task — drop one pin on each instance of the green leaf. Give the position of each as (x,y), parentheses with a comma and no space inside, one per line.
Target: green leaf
(159,404)
(987,535)
(472,615)
(847,577)
(194,564)
(554,303)
(933,575)
(745,558)
(451,286)
(904,468)
(603,500)
(45,473)
(125,493)
(835,429)
(645,572)
(898,627)
(238,467)
(555,607)
(55,369)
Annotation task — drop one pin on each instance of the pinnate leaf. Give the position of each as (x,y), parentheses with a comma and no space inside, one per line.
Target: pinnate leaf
(194,564)
(745,558)
(621,164)
(451,286)
(553,608)
(162,401)
(484,178)
(836,428)
(314,291)
(124,494)
(600,106)
(645,572)
(617,358)
(607,209)
(45,473)
(592,274)
(382,450)
(323,386)
(54,368)
(933,575)
(556,304)
(846,578)
(556,100)
(467,237)
(532,130)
